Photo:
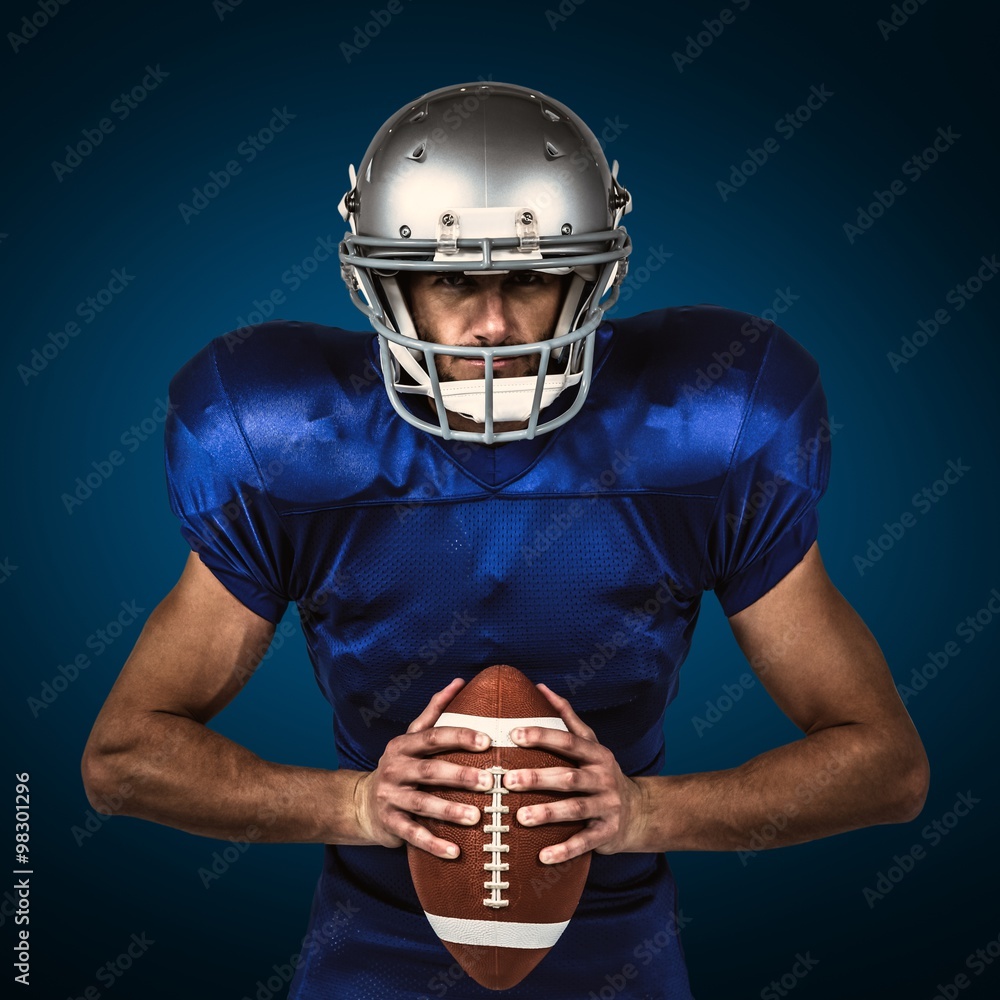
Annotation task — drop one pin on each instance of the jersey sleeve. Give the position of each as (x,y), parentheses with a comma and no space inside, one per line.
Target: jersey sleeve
(766,520)
(217,492)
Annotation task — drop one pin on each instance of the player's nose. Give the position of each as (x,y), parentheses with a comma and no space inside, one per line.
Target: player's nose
(490,327)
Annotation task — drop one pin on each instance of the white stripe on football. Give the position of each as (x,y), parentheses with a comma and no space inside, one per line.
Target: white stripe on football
(498,729)
(494,934)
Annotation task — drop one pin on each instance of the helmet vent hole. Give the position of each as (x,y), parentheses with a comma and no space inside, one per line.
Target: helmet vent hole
(552,151)
(419,116)
(418,152)
(551,115)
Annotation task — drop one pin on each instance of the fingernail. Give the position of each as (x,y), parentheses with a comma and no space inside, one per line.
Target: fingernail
(517,734)
(511,780)
(485,780)
(525,816)
(452,851)
(545,857)
(471,815)
(482,740)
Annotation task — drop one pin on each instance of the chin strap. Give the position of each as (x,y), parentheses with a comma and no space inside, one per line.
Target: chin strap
(512,397)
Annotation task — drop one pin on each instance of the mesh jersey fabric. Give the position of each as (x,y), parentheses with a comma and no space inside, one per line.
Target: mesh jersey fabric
(579,557)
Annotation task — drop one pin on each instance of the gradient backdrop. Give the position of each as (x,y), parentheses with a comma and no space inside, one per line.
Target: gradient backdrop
(198,79)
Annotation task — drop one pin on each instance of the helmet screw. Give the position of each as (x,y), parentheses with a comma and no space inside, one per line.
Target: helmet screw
(405,231)
(526,217)
(566,229)
(447,219)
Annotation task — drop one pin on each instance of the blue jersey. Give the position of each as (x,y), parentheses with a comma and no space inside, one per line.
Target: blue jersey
(579,557)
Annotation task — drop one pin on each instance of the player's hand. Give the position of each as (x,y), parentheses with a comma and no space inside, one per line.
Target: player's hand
(612,805)
(387,800)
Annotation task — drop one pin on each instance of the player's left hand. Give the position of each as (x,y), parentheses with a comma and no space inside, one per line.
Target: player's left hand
(613,805)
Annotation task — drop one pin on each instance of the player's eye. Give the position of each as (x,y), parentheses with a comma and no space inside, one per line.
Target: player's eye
(453,280)
(527,278)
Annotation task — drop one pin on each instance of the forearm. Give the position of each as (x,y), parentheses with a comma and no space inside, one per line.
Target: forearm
(831,781)
(184,775)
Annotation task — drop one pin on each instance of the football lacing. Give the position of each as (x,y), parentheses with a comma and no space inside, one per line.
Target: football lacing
(495,847)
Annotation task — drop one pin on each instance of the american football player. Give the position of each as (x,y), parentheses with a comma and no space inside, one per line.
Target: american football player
(501,474)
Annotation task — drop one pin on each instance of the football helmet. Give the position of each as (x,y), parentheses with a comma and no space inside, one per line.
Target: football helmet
(485,178)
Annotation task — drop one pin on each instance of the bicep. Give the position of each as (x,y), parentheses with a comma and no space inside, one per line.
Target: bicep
(196,651)
(814,655)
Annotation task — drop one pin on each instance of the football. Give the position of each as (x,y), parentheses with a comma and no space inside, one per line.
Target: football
(496,907)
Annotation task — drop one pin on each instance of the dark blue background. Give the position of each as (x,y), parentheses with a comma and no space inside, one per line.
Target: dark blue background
(676,135)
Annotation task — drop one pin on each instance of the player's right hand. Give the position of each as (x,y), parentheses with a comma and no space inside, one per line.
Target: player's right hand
(388,799)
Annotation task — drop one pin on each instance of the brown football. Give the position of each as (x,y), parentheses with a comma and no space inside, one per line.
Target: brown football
(496,907)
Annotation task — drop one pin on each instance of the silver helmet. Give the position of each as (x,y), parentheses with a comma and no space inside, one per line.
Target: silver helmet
(485,179)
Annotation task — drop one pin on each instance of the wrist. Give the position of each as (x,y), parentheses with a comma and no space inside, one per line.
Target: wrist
(339,809)
(361,833)
(652,833)
(638,835)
